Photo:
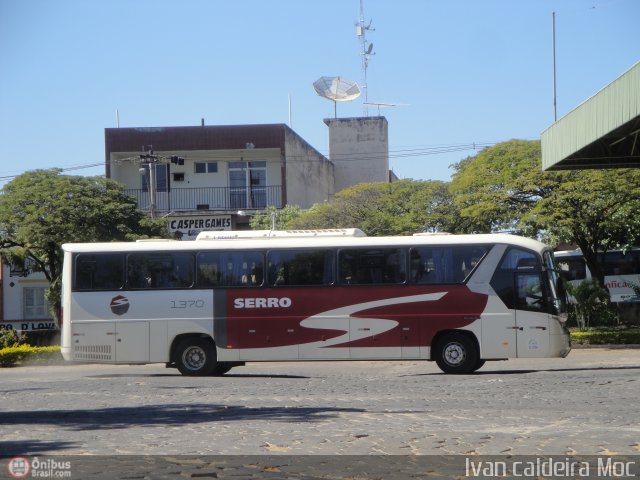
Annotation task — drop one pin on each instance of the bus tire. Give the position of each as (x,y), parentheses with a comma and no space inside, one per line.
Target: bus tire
(457,353)
(195,356)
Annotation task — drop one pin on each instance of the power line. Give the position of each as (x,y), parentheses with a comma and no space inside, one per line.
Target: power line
(402,152)
(65,169)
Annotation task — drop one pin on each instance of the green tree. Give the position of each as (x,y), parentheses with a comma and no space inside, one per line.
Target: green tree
(283,217)
(42,209)
(398,208)
(504,187)
(495,189)
(595,209)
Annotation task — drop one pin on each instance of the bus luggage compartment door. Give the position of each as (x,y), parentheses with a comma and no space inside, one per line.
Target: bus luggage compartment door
(132,341)
(93,340)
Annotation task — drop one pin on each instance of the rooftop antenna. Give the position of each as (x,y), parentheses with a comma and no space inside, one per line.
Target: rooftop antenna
(366,50)
(384,104)
(337,89)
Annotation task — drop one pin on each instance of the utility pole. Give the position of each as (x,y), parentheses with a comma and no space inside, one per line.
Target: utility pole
(151,161)
(152,188)
(553,40)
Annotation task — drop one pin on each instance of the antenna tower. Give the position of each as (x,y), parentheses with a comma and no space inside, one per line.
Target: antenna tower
(366,50)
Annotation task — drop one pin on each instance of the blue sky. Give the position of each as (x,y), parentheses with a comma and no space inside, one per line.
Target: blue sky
(467,71)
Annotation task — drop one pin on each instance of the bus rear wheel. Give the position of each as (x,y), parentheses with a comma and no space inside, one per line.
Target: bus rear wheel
(195,356)
(457,353)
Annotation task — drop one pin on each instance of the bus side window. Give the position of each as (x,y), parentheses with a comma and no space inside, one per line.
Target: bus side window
(618,263)
(372,266)
(572,268)
(99,271)
(529,294)
(230,269)
(208,270)
(300,268)
(518,281)
(421,265)
(160,270)
(182,274)
(431,265)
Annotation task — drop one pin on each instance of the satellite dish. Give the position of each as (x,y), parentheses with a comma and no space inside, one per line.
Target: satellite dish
(337,89)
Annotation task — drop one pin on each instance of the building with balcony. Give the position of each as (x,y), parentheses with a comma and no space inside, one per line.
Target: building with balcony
(215,177)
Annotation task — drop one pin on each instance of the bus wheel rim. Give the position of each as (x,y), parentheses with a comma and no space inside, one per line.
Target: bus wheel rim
(194,358)
(454,354)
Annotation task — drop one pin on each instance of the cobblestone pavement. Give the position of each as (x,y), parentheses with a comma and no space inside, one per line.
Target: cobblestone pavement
(586,404)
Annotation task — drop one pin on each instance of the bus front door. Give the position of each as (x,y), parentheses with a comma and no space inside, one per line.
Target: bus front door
(532,318)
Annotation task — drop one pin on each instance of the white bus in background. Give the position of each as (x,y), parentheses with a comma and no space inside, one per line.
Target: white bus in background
(227,298)
(621,270)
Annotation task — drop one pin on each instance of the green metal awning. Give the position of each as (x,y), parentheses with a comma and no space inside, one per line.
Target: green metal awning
(603,132)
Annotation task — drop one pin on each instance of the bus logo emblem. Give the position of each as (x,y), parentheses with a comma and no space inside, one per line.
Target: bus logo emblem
(119,305)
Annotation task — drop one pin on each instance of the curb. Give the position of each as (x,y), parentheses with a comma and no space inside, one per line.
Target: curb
(610,346)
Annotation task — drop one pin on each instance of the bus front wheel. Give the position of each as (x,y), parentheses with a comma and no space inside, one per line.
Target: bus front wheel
(195,356)
(457,353)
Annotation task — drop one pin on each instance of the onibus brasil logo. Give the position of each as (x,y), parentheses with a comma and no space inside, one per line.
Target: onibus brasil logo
(20,467)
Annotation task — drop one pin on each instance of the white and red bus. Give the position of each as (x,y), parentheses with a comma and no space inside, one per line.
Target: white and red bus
(227,298)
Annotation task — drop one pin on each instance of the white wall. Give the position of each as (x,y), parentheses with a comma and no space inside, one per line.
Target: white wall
(359,149)
(13,294)
(309,175)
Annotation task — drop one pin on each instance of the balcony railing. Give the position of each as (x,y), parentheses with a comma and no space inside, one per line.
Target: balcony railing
(210,198)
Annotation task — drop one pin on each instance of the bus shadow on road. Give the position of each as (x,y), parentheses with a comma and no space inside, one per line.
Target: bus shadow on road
(32,447)
(232,375)
(132,375)
(536,370)
(566,369)
(167,415)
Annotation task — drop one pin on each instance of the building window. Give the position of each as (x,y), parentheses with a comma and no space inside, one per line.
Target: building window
(206,167)
(22,268)
(248,184)
(35,305)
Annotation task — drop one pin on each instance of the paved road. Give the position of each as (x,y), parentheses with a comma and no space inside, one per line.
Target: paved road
(584,404)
